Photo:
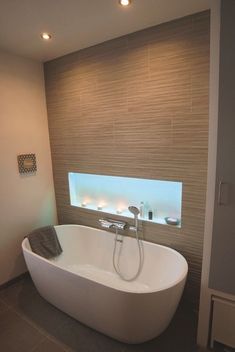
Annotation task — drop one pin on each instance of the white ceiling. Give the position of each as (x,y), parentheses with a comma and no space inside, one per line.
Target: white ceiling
(77,24)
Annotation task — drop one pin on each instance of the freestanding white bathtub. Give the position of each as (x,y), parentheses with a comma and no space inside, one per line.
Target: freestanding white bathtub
(82,283)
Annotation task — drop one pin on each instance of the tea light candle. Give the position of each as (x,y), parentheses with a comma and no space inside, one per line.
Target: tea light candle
(84,204)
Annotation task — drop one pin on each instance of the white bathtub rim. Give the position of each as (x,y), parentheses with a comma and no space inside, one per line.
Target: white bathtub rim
(181,278)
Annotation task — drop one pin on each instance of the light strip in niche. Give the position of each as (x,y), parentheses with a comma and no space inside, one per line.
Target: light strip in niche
(113,195)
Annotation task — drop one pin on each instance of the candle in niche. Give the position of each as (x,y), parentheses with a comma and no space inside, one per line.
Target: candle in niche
(101,204)
(86,201)
(120,208)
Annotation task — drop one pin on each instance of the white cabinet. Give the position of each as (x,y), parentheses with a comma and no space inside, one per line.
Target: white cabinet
(223,322)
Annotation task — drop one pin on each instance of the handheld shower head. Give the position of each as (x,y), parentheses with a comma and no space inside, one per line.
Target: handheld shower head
(135,211)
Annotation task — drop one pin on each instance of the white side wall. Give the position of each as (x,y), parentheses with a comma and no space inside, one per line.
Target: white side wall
(205,299)
(25,202)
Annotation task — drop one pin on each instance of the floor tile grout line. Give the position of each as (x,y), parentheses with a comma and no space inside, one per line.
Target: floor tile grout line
(5,303)
(58,343)
(10,309)
(40,330)
(55,342)
(28,321)
(38,344)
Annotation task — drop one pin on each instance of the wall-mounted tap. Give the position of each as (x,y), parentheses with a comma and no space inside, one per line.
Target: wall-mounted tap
(113,224)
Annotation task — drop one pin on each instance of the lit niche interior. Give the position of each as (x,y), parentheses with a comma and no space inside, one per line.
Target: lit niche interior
(156,199)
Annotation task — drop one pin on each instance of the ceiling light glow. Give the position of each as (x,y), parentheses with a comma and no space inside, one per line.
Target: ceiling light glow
(125,2)
(46,36)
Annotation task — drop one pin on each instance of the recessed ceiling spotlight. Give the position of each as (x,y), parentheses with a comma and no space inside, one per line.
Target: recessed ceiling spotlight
(46,36)
(125,2)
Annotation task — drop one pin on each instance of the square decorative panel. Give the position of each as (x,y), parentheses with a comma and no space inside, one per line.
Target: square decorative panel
(27,163)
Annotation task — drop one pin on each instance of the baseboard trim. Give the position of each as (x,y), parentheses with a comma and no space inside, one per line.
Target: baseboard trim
(14,280)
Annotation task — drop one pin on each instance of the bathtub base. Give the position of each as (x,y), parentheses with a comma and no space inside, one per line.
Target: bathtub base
(82,283)
(123,316)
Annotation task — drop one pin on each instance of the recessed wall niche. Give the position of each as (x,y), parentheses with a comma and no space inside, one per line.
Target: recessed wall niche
(113,195)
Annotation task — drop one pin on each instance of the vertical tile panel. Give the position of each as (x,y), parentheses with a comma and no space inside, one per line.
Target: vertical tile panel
(137,106)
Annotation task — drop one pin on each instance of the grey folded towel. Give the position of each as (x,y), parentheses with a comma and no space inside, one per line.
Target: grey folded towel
(44,242)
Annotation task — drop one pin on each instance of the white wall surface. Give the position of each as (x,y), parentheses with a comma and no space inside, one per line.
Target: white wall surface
(26,202)
(205,298)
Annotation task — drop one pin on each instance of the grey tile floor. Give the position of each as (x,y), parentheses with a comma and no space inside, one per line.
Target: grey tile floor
(29,324)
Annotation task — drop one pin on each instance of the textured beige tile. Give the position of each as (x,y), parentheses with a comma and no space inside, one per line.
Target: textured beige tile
(137,106)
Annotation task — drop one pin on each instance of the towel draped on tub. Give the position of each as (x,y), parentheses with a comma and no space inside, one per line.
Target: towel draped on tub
(44,242)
